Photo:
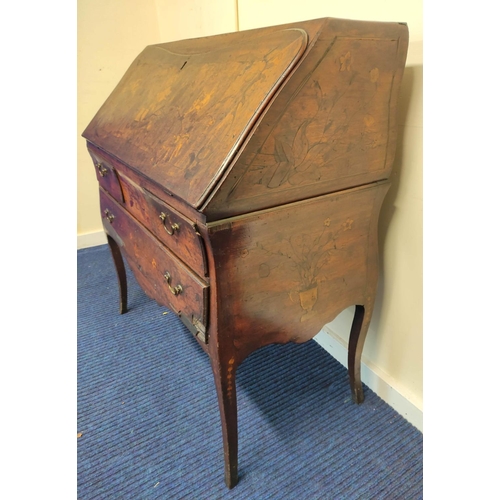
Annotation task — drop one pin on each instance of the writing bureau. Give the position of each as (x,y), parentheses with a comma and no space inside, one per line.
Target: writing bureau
(242,175)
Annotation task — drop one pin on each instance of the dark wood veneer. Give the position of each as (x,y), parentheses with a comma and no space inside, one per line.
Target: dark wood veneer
(242,176)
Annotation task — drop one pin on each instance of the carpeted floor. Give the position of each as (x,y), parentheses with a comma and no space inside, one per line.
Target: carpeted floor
(148,419)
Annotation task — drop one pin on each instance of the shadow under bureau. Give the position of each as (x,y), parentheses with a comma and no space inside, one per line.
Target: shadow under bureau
(242,175)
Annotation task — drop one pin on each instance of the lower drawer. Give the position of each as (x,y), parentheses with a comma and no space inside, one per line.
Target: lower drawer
(159,272)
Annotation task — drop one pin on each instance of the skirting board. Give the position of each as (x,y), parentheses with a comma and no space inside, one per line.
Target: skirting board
(91,240)
(378,382)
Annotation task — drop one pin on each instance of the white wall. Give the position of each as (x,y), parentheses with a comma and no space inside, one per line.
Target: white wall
(260,13)
(111,34)
(195,18)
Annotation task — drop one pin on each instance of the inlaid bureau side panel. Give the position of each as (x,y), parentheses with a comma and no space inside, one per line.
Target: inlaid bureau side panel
(304,262)
(331,127)
(151,261)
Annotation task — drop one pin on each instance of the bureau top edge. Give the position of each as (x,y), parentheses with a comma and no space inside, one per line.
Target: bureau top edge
(192,115)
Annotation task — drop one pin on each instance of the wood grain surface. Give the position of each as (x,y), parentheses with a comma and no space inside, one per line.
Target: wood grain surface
(282,274)
(150,260)
(332,126)
(178,117)
(242,175)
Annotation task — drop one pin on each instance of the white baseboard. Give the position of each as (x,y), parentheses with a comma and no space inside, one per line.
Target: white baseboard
(379,382)
(91,240)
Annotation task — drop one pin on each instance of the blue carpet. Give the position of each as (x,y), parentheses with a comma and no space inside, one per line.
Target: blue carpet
(149,420)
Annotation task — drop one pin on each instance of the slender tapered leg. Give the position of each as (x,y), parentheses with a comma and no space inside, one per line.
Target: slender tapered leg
(225,377)
(357,337)
(120,271)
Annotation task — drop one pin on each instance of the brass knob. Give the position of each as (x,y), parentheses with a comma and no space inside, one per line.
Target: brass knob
(102,169)
(174,227)
(109,216)
(176,290)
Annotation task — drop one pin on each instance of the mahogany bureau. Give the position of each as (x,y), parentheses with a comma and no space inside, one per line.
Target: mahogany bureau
(241,176)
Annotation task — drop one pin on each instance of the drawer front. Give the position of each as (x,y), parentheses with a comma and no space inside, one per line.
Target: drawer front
(159,272)
(176,231)
(107,176)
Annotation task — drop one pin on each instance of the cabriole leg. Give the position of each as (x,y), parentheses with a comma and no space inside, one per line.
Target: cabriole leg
(120,271)
(225,378)
(359,329)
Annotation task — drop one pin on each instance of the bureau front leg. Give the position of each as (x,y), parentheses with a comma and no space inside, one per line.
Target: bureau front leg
(120,271)
(359,329)
(225,381)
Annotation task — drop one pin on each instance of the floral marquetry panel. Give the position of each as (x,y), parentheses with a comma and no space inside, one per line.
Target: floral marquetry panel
(159,116)
(330,128)
(282,264)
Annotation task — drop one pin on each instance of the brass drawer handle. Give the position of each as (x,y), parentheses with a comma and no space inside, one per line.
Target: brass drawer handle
(102,169)
(175,227)
(175,290)
(109,216)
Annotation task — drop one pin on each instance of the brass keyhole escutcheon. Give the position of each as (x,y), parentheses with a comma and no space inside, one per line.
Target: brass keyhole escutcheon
(174,227)
(176,290)
(109,216)
(102,169)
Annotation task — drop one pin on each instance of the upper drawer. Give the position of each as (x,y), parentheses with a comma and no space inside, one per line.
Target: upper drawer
(167,224)
(107,176)
(161,275)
